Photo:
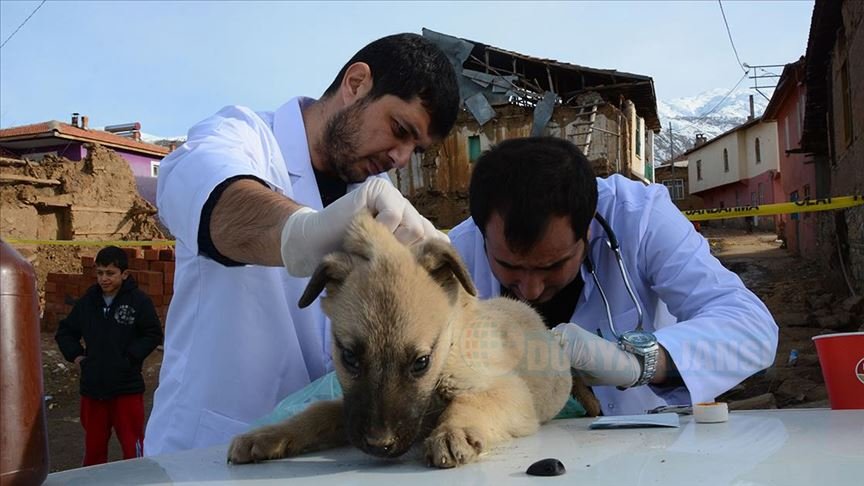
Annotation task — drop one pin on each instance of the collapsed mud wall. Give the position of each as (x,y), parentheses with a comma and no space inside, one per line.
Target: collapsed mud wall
(60,199)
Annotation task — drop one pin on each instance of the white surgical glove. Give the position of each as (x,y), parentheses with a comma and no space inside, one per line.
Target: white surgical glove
(600,362)
(309,235)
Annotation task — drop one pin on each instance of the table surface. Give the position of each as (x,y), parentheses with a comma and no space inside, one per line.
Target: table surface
(782,447)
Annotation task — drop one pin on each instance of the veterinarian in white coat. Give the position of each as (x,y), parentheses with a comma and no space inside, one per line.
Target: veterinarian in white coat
(712,331)
(248,193)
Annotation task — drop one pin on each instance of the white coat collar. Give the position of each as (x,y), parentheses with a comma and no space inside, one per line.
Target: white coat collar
(290,132)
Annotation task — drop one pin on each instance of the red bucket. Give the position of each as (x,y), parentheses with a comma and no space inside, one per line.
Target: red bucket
(842,359)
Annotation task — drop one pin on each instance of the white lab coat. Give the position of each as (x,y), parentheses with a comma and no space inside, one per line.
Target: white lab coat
(236,343)
(716,331)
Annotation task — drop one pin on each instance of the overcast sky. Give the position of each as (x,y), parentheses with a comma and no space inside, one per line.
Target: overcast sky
(170,64)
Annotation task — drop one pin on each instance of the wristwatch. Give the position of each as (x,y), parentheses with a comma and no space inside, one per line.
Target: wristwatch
(645,347)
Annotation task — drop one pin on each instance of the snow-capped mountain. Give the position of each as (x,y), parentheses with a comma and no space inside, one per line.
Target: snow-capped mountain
(160,140)
(706,113)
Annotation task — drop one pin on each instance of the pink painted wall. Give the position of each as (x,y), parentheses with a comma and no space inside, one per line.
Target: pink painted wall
(745,192)
(140,164)
(799,175)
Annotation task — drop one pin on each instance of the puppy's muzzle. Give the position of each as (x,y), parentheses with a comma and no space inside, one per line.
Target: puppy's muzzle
(381,443)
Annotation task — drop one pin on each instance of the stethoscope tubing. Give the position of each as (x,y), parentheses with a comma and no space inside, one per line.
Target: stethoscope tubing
(612,242)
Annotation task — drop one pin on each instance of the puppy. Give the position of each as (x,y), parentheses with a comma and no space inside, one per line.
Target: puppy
(419,357)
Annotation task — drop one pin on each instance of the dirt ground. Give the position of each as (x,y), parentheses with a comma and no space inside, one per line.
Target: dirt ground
(790,287)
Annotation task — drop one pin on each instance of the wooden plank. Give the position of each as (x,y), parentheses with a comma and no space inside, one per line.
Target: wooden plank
(6,161)
(11,178)
(98,210)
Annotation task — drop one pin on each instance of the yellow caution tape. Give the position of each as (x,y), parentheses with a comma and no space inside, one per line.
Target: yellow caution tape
(90,243)
(803,206)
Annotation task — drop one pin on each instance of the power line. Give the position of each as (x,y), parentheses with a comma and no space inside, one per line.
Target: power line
(741,64)
(22,23)
(705,115)
(712,110)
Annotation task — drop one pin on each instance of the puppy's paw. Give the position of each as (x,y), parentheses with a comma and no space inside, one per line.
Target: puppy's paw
(449,446)
(260,445)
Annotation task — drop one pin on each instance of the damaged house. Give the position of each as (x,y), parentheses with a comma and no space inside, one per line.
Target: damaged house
(610,115)
(62,181)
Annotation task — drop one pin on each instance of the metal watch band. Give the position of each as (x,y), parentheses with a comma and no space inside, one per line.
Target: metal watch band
(649,366)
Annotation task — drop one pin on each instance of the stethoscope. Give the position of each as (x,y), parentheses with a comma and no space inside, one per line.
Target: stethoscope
(612,241)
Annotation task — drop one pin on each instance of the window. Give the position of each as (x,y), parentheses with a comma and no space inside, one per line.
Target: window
(698,170)
(676,188)
(154,168)
(793,197)
(801,107)
(786,132)
(753,200)
(758,151)
(639,137)
(847,103)
(473,148)
(761,189)
(725,160)
(806,197)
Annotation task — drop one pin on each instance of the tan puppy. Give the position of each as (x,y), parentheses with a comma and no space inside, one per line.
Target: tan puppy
(419,356)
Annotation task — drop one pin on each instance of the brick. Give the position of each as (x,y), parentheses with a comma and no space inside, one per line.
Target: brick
(138,264)
(166,254)
(132,253)
(154,289)
(168,277)
(55,307)
(156,298)
(50,287)
(88,262)
(149,278)
(151,255)
(159,266)
(90,273)
(168,288)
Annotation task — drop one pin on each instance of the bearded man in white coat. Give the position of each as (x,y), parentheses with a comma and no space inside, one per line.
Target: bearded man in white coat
(685,331)
(250,195)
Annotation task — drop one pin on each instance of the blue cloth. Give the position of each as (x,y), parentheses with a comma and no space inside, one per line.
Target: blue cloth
(327,388)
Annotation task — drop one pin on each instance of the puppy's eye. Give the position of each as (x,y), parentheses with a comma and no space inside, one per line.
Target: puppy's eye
(420,365)
(349,359)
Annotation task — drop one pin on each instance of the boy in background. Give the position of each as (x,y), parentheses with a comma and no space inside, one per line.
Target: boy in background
(120,328)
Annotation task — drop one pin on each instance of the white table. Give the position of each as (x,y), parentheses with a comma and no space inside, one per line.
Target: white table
(782,447)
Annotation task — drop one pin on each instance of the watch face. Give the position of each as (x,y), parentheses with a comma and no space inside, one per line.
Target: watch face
(639,338)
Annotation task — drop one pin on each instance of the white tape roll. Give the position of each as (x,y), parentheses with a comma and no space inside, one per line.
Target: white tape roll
(711,413)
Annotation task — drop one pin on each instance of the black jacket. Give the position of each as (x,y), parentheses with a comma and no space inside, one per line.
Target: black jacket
(116,339)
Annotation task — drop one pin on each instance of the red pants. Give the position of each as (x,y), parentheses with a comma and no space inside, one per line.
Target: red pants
(125,414)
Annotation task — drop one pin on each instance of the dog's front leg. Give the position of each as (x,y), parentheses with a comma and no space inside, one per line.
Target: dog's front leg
(321,426)
(475,422)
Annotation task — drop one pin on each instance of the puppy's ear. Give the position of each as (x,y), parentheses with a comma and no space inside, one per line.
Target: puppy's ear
(330,274)
(444,265)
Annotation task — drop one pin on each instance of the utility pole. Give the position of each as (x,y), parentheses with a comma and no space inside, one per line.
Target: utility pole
(671,150)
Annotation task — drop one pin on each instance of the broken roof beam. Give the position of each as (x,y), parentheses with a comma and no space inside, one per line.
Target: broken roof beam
(11,179)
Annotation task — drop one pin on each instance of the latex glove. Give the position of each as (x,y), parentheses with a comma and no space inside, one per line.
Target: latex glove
(309,235)
(600,362)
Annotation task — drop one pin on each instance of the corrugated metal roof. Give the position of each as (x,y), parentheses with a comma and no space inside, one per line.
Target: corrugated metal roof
(569,79)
